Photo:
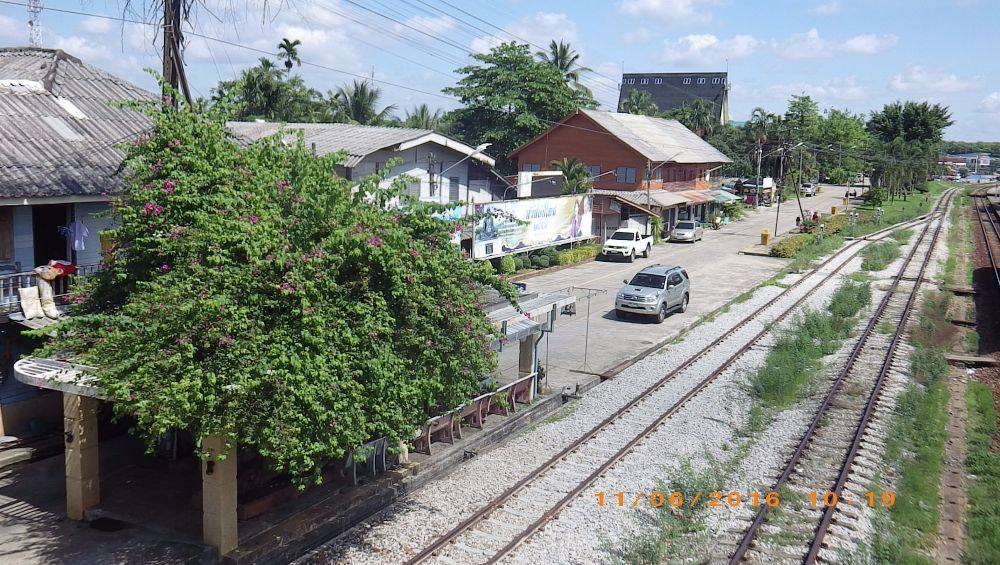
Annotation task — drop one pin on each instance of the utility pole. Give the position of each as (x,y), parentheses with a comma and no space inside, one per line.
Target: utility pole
(34,23)
(781,177)
(760,151)
(430,172)
(649,178)
(173,66)
(798,197)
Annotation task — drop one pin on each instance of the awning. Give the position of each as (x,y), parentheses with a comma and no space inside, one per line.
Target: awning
(696,196)
(667,199)
(642,209)
(724,197)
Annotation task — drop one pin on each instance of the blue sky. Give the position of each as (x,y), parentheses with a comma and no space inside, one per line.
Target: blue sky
(845,53)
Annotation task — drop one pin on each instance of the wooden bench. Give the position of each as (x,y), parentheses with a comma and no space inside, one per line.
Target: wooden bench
(474,413)
(507,396)
(444,425)
(374,460)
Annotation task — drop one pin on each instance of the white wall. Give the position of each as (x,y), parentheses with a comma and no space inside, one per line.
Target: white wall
(414,164)
(87,212)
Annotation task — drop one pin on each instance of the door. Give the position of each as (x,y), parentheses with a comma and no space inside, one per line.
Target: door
(676,293)
(48,242)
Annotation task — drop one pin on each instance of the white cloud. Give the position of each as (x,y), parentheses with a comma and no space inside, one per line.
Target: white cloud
(990,104)
(95,26)
(640,34)
(433,25)
(923,81)
(869,43)
(810,45)
(11,29)
(671,12)
(538,29)
(77,46)
(707,49)
(845,89)
(827,8)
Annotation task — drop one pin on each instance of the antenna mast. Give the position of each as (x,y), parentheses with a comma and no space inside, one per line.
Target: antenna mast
(34,23)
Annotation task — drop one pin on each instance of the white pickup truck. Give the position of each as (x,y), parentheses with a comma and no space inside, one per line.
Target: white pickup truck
(627,243)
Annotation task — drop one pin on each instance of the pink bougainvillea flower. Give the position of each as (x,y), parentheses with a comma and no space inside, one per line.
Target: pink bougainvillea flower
(148,207)
(226,341)
(164,267)
(254,219)
(168,186)
(283,184)
(157,210)
(414,253)
(409,278)
(473,286)
(155,166)
(375,241)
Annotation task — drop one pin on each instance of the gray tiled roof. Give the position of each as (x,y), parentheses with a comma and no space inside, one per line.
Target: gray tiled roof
(357,140)
(658,139)
(58,131)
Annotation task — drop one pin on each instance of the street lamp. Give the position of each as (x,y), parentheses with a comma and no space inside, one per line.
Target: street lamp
(479,149)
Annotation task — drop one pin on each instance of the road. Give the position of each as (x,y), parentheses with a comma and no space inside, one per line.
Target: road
(718,273)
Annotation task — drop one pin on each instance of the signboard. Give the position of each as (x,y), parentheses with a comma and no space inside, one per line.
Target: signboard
(522,225)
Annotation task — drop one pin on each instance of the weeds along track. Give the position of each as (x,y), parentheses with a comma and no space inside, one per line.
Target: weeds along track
(827,456)
(496,529)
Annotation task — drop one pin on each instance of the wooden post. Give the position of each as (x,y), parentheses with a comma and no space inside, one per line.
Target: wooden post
(218,496)
(83,481)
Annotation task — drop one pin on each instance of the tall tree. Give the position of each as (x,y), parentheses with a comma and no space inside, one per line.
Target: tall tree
(639,102)
(911,121)
(761,122)
(509,97)
(421,117)
(565,58)
(697,115)
(359,102)
(289,51)
(802,117)
(264,92)
(576,177)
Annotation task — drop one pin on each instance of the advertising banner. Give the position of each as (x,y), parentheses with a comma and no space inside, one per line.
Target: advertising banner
(522,225)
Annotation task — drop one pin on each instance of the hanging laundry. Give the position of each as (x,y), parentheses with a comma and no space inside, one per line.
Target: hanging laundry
(80,233)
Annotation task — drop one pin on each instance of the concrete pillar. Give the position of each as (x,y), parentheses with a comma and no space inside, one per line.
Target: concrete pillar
(526,356)
(218,496)
(83,481)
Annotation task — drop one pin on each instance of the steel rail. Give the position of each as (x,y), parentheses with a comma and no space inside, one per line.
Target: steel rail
(985,201)
(758,521)
(497,502)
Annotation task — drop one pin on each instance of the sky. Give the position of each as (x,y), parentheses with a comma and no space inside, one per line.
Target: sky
(848,54)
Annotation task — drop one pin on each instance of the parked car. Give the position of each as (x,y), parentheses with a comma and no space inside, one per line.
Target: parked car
(687,230)
(627,243)
(807,189)
(654,291)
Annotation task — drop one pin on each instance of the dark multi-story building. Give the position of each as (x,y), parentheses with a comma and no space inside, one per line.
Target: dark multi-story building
(671,90)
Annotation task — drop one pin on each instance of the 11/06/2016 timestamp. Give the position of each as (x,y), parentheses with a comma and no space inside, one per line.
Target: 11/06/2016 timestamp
(733,499)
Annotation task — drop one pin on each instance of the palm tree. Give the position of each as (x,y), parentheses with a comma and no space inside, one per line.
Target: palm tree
(759,123)
(564,58)
(421,117)
(359,101)
(700,117)
(638,102)
(576,177)
(289,51)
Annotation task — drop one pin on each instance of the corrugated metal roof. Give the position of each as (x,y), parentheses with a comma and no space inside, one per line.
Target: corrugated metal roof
(658,139)
(46,148)
(357,140)
(661,198)
(696,196)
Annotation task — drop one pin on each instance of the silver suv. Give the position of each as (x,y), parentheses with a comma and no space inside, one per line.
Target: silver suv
(654,291)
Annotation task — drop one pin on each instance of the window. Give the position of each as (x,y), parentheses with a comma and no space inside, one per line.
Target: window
(716,80)
(629,81)
(7,233)
(675,279)
(648,280)
(658,174)
(625,175)
(644,81)
(594,170)
(658,81)
(687,80)
(453,195)
(532,167)
(701,81)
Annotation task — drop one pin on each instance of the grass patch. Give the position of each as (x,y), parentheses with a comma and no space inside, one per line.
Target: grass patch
(796,357)
(902,235)
(877,256)
(971,341)
(817,248)
(896,211)
(982,544)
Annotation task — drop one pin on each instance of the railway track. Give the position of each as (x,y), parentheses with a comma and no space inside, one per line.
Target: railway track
(991,237)
(498,528)
(824,459)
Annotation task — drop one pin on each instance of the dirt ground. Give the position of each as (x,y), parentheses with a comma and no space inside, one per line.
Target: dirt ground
(987,301)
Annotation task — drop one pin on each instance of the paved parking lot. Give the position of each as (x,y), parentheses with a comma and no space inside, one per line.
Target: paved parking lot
(718,274)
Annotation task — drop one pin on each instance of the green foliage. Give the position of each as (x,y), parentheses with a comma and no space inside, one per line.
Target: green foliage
(507,265)
(288,50)
(792,244)
(579,254)
(422,118)
(576,177)
(540,261)
(910,121)
(656,226)
(982,545)
(639,102)
(877,256)
(700,116)
(796,357)
(510,97)
(359,103)
(253,294)
(566,60)
(264,92)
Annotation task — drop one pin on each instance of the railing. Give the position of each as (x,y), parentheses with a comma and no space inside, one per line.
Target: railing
(10,299)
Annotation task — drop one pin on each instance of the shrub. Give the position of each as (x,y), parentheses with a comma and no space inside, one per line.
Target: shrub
(540,261)
(834,224)
(788,247)
(508,265)
(579,254)
(877,256)
(254,294)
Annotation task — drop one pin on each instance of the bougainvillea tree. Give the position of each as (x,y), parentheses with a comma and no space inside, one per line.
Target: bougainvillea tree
(255,294)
